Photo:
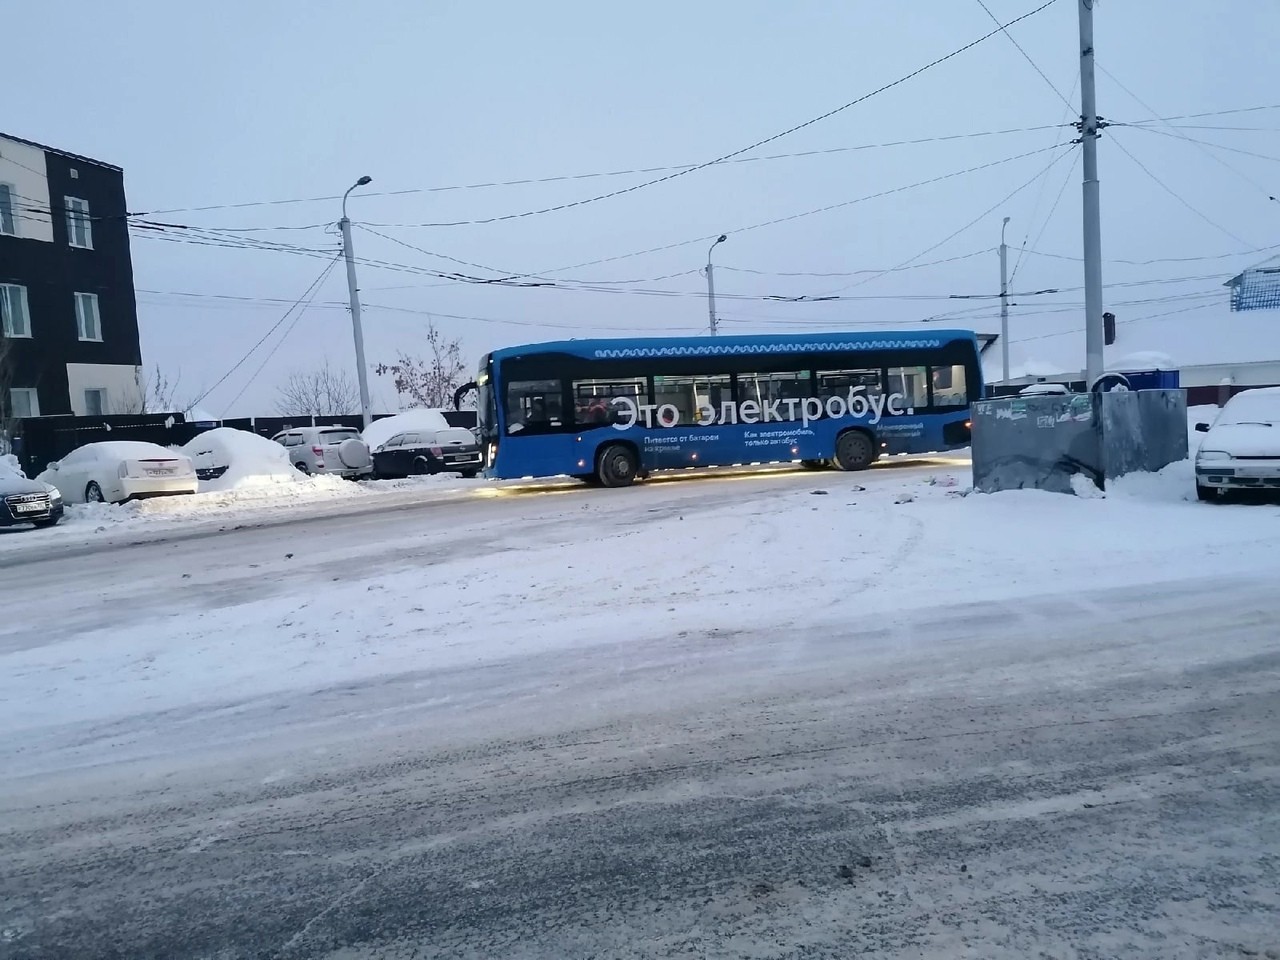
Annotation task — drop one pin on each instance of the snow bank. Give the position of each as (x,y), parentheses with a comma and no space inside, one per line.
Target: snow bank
(9,466)
(251,460)
(1173,484)
(426,421)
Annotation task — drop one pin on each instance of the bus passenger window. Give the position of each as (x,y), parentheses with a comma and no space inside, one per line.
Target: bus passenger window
(593,404)
(838,383)
(533,406)
(949,386)
(769,388)
(688,394)
(912,383)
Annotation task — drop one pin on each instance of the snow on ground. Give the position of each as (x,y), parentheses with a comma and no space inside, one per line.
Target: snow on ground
(530,573)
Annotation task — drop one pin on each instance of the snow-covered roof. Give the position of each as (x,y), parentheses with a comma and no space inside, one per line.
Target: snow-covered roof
(1207,334)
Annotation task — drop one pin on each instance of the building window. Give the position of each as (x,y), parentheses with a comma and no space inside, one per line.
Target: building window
(13,310)
(88,320)
(79,232)
(24,402)
(8,225)
(95,402)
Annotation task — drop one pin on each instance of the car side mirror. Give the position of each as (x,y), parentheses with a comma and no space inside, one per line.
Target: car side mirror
(53,465)
(1202,428)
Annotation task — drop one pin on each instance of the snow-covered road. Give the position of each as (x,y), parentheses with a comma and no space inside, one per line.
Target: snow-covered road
(773,716)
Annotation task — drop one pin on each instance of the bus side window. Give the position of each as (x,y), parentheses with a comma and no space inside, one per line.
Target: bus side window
(593,404)
(767,388)
(838,383)
(533,406)
(949,388)
(912,383)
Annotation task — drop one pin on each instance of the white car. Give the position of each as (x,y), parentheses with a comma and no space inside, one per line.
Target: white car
(115,471)
(1241,450)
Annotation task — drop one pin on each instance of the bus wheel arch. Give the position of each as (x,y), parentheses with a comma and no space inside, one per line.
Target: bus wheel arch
(617,464)
(855,449)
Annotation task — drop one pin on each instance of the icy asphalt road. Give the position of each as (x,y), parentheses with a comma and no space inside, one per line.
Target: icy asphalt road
(1060,774)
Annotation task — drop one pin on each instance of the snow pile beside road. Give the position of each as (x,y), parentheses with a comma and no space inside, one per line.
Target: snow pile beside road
(9,466)
(1175,483)
(251,461)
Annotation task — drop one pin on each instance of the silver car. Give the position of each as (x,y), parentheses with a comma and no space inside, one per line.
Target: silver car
(335,450)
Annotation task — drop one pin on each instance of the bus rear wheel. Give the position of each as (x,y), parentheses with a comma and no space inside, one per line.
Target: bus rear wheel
(854,451)
(617,466)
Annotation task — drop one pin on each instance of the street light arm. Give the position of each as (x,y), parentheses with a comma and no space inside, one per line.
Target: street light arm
(719,240)
(363,181)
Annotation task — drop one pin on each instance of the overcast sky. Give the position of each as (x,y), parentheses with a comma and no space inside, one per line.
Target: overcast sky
(239,102)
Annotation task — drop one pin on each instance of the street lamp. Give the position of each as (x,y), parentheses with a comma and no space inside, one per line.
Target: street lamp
(353,295)
(711,283)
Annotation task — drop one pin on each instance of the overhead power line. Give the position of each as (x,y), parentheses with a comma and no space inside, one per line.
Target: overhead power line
(1026,56)
(751,146)
(1177,196)
(951,236)
(1181,136)
(314,285)
(284,336)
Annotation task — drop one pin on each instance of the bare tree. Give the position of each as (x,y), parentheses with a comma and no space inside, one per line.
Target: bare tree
(156,393)
(323,392)
(427,380)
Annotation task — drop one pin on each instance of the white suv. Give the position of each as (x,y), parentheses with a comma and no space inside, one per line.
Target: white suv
(332,450)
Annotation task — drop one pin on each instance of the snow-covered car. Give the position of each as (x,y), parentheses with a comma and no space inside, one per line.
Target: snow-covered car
(226,458)
(26,501)
(422,442)
(333,450)
(1241,449)
(115,471)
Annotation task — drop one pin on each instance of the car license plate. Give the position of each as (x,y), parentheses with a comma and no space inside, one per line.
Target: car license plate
(158,472)
(34,507)
(1254,472)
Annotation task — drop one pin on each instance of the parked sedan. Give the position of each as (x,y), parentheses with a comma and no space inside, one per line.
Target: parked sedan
(418,454)
(119,470)
(1241,449)
(27,501)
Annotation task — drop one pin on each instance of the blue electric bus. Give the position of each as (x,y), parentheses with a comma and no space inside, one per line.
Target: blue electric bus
(612,411)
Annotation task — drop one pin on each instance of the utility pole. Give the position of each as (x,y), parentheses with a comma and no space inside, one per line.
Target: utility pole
(1004,300)
(362,375)
(1094,335)
(711,284)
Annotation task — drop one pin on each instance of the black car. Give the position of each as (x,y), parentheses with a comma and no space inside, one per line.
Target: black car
(27,501)
(417,454)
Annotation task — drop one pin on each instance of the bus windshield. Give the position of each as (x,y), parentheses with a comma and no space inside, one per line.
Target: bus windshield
(613,411)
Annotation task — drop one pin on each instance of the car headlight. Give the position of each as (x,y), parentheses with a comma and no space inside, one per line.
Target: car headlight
(55,494)
(1213,455)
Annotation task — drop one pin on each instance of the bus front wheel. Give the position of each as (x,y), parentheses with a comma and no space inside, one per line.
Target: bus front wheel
(854,451)
(617,466)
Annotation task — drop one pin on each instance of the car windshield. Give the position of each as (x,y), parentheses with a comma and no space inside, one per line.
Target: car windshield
(1243,408)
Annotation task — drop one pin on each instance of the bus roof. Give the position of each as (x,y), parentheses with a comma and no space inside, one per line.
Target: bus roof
(766,343)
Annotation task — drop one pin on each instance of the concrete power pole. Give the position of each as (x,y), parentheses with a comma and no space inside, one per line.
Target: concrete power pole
(711,284)
(362,375)
(1094,335)
(1004,301)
